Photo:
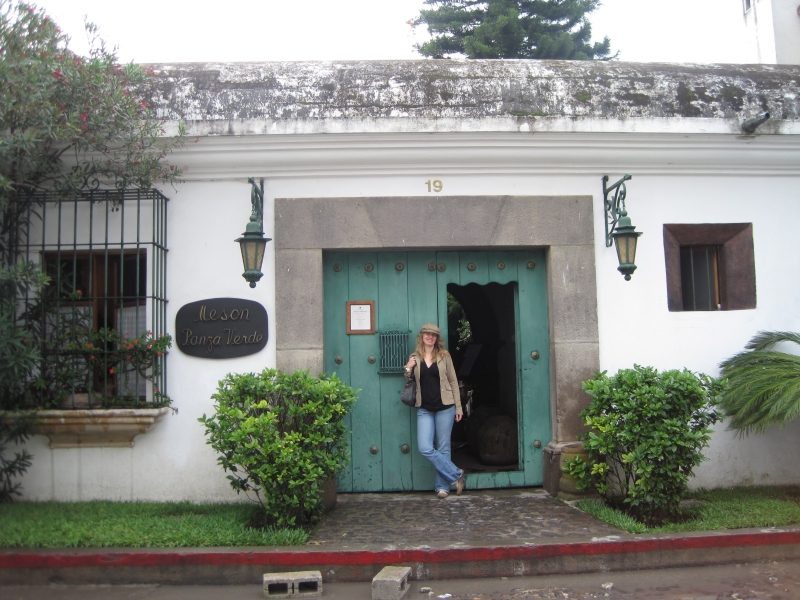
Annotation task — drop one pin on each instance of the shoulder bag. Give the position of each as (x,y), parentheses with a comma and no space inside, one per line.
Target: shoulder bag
(409,394)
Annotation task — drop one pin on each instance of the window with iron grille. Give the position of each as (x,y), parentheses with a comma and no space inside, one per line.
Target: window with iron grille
(102,316)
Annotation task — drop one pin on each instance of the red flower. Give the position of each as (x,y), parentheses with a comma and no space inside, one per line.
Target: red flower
(155,388)
(111,371)
(92,357)
(159,352)
(84,116)
(130,346)
(80,293)
(89,346)
(127,358)
(58,74)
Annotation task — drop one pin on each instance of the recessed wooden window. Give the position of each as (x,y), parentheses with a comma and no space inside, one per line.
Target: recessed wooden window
(710,266)
(700,278)
(112,284)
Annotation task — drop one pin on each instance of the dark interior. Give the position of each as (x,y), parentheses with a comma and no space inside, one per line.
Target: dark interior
(482,342)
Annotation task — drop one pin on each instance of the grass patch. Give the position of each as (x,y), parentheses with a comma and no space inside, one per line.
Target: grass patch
(612,516)
(136,525)
(729,508)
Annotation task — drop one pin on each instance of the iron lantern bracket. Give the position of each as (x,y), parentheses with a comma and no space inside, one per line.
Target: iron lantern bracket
(257,200)
(614,206)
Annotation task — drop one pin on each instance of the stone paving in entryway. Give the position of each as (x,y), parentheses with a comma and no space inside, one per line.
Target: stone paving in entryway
(477,518)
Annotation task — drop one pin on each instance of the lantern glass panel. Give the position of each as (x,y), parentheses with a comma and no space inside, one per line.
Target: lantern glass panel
(260,246)
(626,249)
(252,253)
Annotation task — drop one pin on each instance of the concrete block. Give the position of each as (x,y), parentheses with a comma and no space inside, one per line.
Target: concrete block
(298,584)
(391,583)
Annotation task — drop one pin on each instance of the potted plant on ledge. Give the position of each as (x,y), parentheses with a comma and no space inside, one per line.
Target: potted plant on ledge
(111,392)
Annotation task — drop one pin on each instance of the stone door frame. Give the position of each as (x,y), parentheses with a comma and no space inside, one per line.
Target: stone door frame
(561,225)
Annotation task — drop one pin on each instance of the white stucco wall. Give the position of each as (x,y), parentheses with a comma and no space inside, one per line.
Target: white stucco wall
(786,24)
(676,179)
(773,32)
(636,327)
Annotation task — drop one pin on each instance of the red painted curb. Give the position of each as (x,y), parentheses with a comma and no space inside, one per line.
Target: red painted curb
(282,558)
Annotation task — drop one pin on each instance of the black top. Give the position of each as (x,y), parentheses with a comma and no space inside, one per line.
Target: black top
(430,387)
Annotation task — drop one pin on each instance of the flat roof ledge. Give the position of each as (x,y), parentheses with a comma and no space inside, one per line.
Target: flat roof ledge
(481,95)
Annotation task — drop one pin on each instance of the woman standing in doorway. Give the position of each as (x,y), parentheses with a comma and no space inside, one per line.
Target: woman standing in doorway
(438,406)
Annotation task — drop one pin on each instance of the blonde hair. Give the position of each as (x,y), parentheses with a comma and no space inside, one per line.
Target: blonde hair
(439,351)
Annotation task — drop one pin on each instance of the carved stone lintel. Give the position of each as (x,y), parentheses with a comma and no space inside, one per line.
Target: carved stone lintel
(100,428)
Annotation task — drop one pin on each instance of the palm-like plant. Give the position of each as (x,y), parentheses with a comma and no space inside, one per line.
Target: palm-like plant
(763,384)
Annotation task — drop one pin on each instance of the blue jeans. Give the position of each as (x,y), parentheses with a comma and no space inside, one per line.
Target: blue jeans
(433,441)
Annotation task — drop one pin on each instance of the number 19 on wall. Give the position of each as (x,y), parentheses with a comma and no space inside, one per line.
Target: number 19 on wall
(434,185)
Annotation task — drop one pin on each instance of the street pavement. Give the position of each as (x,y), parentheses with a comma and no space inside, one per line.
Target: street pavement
(753,581)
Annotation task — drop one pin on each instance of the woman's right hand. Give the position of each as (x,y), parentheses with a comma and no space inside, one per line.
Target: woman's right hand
(412,362)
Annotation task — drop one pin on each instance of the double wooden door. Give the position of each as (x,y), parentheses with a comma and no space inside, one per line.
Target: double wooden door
(409,289)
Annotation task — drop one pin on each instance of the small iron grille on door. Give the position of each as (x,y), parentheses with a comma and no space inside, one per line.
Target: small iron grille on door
(394,350)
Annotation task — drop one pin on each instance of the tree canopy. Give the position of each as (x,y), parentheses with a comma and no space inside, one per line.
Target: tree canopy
(68,120)
(533,29)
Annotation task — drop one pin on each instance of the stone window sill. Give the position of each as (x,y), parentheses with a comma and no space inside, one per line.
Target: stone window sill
(97,428)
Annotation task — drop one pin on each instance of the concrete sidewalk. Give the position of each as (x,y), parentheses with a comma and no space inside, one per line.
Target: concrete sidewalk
(498,533)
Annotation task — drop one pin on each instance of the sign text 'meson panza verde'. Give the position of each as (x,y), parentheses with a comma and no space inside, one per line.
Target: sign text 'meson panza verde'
(221,328)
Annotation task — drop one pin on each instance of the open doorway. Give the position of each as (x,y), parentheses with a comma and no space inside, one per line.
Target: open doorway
(481,326)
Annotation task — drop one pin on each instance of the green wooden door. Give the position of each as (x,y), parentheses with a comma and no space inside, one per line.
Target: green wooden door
(410,289)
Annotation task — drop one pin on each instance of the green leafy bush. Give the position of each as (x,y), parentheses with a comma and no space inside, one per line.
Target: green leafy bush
(646,433)
(14,429)
(281,436)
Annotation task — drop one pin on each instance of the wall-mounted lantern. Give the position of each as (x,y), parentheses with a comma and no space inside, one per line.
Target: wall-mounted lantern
(619,229)
(253,243)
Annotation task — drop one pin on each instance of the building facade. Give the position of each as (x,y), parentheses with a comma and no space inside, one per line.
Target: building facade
(420,188)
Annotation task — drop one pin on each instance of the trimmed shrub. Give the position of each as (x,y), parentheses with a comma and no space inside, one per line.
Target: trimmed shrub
(646,433)
(280,436)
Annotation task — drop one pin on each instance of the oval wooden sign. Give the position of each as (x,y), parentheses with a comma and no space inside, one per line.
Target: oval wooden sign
(221,328)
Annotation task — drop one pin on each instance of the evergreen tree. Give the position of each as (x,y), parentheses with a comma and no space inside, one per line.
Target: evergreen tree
(543,29)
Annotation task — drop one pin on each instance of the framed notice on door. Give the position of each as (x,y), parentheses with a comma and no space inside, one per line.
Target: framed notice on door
(360,316)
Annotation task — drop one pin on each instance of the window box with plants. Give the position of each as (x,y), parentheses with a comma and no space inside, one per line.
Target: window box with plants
(105,400)
(89,387)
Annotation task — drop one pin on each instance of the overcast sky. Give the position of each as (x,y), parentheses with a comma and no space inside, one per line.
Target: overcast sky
(158,31)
